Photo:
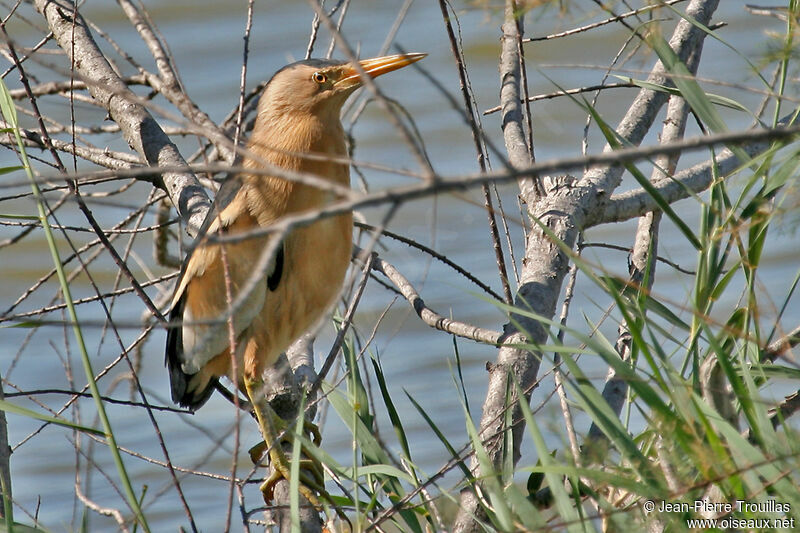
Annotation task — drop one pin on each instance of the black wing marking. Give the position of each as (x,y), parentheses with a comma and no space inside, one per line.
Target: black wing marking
(173,356)
(178,379)
(275,277)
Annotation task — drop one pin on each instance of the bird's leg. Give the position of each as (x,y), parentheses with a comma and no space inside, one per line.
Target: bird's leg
(257,451)
(271,425)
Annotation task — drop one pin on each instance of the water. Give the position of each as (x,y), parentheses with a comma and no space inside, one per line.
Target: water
(205,38)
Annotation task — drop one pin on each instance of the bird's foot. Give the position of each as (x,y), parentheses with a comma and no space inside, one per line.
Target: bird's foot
(281,426)
(277,458)
(311,478)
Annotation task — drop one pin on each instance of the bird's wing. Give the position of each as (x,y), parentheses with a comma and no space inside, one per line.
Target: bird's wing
(224,202)
(201,300)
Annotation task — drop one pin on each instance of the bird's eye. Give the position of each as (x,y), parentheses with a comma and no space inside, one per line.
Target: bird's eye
(319,77)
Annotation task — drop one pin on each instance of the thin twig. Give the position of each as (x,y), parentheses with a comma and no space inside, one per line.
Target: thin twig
(617,18)
(433,253)
(566,92)
(429,316)
(472,120)
(106,399)
(138,126)
(74,188)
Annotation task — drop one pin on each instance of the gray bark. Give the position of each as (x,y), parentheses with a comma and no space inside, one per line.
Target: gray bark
(139,128)
(5,458)
(564,211)
(283,395)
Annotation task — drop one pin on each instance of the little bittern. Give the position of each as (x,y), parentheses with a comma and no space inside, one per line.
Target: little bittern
(297,129)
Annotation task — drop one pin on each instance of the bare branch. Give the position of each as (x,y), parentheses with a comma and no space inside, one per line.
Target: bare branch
(610,20)
(64,87)
(102,157)
(139,128)
(514,363)
(473,120)
(433,253)
(105,511)
(642,113)
(698,178)
(429,316)
(565,92)
(561,213)
(168,82)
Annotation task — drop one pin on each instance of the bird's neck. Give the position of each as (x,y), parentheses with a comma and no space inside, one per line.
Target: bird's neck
(303,143)
(298,142)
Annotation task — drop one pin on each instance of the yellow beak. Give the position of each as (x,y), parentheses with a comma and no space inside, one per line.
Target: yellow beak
(376,67)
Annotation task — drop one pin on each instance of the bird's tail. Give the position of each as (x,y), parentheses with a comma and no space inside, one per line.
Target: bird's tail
(188,390)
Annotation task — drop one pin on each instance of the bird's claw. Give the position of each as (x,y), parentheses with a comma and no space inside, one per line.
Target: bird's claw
(311,476)
(306,465)
(257,452)
(311,479)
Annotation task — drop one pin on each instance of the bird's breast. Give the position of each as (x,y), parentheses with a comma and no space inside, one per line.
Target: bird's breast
(316,258)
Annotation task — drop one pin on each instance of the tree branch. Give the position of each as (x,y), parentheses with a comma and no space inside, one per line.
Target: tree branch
(512,363)
(429,316)
(168,83)
(139,128)
(685,183)
(562,212)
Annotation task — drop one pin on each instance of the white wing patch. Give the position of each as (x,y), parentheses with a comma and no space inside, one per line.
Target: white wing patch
(204,340)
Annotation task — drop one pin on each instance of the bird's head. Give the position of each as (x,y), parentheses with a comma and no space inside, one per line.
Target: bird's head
(321,86)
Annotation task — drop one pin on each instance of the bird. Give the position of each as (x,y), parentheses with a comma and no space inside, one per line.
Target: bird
(297,129)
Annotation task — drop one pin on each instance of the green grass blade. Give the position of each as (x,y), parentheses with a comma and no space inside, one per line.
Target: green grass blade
(294,480)
(491,479)
(9,407)
(449,447)
(564,503)
(10,113)
(19,528)
(397,424)
(713,98)
(371,449)
(14,168)
(751,458)
(663,205)
(687,86)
